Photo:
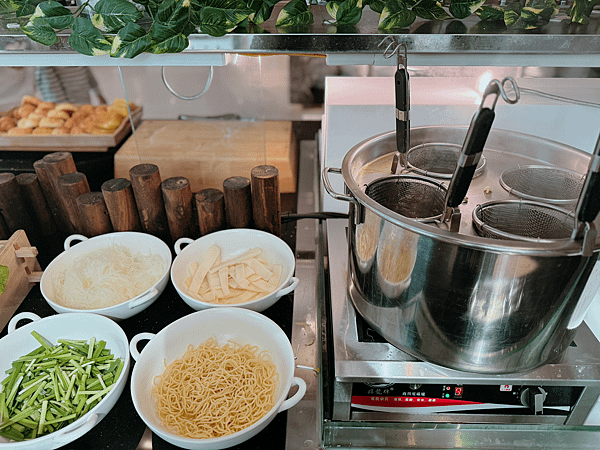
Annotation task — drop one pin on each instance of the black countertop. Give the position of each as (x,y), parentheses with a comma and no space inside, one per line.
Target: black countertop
(122,428)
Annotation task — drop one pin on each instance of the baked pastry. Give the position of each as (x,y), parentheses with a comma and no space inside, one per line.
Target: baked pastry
(68,107)
(7,122)
(30,99)
(51,122)
(26,122)
(42,130)
(24,111)
(60,130)
(58,114)
(19,131)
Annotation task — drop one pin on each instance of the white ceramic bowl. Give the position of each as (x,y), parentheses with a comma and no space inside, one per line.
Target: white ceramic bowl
(234,242)
(240,325)
(138,242)
(19,342)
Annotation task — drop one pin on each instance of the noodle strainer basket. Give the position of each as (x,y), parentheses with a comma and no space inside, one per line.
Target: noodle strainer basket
(412,196)
(438,160)
(543,183)
(523,220)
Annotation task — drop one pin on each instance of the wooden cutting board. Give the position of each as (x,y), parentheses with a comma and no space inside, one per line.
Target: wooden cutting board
(207,152)
(23,272)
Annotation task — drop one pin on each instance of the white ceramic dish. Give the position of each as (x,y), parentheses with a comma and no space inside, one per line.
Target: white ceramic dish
(19,342)
(138,242)
(223,324)
(234,242)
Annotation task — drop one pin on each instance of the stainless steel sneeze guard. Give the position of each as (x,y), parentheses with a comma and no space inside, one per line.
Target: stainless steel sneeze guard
(311,424)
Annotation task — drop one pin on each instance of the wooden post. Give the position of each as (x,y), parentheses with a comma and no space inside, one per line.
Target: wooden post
(34,195)
(210,204)
(71,186)
(238,202)
(145,181)
(266,201)
(120,203)
(14,210)
(93,214)
(177,195)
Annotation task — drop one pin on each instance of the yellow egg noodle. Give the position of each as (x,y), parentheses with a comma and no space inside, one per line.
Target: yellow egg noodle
(214,391)
(107,277)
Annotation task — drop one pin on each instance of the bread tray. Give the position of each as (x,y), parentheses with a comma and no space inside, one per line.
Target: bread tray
(72,142)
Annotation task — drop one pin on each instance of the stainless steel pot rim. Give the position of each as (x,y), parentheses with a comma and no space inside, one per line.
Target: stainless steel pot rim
(557,248)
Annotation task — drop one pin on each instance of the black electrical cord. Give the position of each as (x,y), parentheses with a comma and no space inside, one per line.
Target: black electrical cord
(290,217)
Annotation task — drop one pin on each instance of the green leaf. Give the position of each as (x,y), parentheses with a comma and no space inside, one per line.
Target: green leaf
(8,6)
(39,30)
(464,8)
(165,40)
(26,8)
(430,10)
(529,15)
(3,278)
(130,41)
(112,15)
(375,5)
(580,10)
(54,14)
(490,13)
(295,13)
(87,40)
(346,12)
(261,10)
(218,22)
(395,15)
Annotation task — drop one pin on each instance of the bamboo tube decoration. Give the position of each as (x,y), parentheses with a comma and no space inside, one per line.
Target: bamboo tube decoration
(93,214)
(210,206)
(177,195)
(120,204)
(238,202)
(48,169)
(71,186)
(13,208)
(145,181)
(34,195)
(266,201)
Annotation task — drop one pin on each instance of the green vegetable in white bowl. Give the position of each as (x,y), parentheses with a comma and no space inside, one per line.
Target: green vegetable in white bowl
(60,376)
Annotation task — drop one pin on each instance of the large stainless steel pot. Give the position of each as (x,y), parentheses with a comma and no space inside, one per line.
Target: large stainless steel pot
(454,298)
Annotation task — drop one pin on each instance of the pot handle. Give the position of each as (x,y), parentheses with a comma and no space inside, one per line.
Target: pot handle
(294,399)
(180,242)
(74,237)
(12,325)
(329,189)
(63,438)
(292,284)
(135,354)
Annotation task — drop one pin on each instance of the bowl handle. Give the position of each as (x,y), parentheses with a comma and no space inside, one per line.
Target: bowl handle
(294,282)
(135,354)
(143,298)
(12,325)
(64,438)
(74,237)
(294,399)
(180,242)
